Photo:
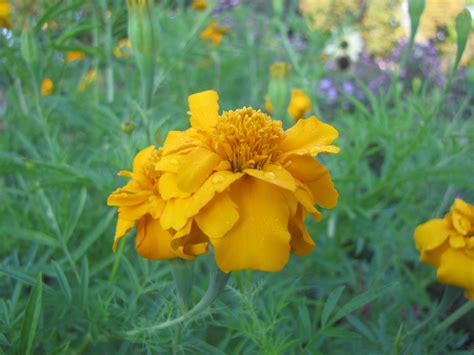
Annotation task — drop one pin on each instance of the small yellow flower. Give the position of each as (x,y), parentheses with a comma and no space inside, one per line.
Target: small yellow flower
(47,87)
(325,14)
(72,56)
(139,203)
(448,245)
(5,9)
(238,180)
(214,33)
(122,49)
(199,5)
(89,78)
(300,104)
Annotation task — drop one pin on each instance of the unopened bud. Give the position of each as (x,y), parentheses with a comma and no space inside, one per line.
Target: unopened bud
(29,47)
(140,26)
(127,127)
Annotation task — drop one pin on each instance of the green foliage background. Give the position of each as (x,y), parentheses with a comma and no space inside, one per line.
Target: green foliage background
(405,157)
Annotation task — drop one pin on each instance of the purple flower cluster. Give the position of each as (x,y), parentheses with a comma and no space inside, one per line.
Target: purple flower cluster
(224,5)
(376,74)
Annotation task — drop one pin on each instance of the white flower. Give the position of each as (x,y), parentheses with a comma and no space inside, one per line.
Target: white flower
(345,47)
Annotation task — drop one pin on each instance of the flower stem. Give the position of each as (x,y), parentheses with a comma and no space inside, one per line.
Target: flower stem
(464,309)
(217,282)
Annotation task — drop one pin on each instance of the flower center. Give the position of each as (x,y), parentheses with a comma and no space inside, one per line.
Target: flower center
(248,139)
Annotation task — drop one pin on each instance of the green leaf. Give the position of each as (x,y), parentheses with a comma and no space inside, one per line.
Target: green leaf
(62,279)
(361,300)
(339,332)
(93,236)
(463,30)
(31,235)
(331,304)
(31,317)
(84,281)
(76,214)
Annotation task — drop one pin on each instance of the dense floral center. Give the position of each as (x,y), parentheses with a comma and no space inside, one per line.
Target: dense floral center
(248,139)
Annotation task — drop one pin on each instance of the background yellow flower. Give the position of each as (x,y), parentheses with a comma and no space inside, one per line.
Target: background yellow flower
(214,33)
(47,87)
(448,245)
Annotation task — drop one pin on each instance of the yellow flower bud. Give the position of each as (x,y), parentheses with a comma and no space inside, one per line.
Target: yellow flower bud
(47,87)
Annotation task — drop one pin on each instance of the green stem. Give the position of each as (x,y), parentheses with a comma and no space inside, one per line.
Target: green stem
(183,278)
(464,309)
(217,282)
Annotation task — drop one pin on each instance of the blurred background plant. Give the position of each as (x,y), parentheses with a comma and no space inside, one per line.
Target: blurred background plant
(71,116)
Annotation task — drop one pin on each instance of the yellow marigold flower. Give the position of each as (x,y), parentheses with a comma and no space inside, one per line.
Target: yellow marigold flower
(139,203)
(122,50)
(47,87)
(214,33)
(89,78)
(199,5)
(4,12)
(245,184)
(448,245)
(300,104)
(72,56)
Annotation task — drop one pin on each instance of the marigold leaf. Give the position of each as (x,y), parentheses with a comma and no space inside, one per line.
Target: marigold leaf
(31,317)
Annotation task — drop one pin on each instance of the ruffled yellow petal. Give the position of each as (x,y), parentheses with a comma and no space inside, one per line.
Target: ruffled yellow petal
(195,168)
(457,241)
(431,234)
(122,227)
(316,177)
(133,213)
(309,137)
(301,243)
(204,108)
(274,174)
(121,198)
(152,242)
(457,269)
(177,211)
(190,240)
(433,257)
(177,141)
(218,216)
(141,158)
(168,187)
(260,239)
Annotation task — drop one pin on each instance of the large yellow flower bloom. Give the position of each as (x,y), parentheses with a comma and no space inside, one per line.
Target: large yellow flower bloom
(245,184)
(448,245)
(140,204)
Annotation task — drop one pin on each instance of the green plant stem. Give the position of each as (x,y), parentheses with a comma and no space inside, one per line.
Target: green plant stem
(217,282)
(464,309)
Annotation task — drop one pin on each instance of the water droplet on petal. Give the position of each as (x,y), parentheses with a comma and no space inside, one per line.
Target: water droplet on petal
(269,175)
(217,179)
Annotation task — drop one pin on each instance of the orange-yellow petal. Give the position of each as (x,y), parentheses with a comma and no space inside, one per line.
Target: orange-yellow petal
(204,108)
(169,187)
(121,198)
(189,241)
(301,243)
(433,257)
(152,241)
(195,168)
(122,227)
(457,269)
(218,216)
(431,234)
(309,137)
(141,158)
(274,174)
(177,211)
(260,239)
(316,177)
